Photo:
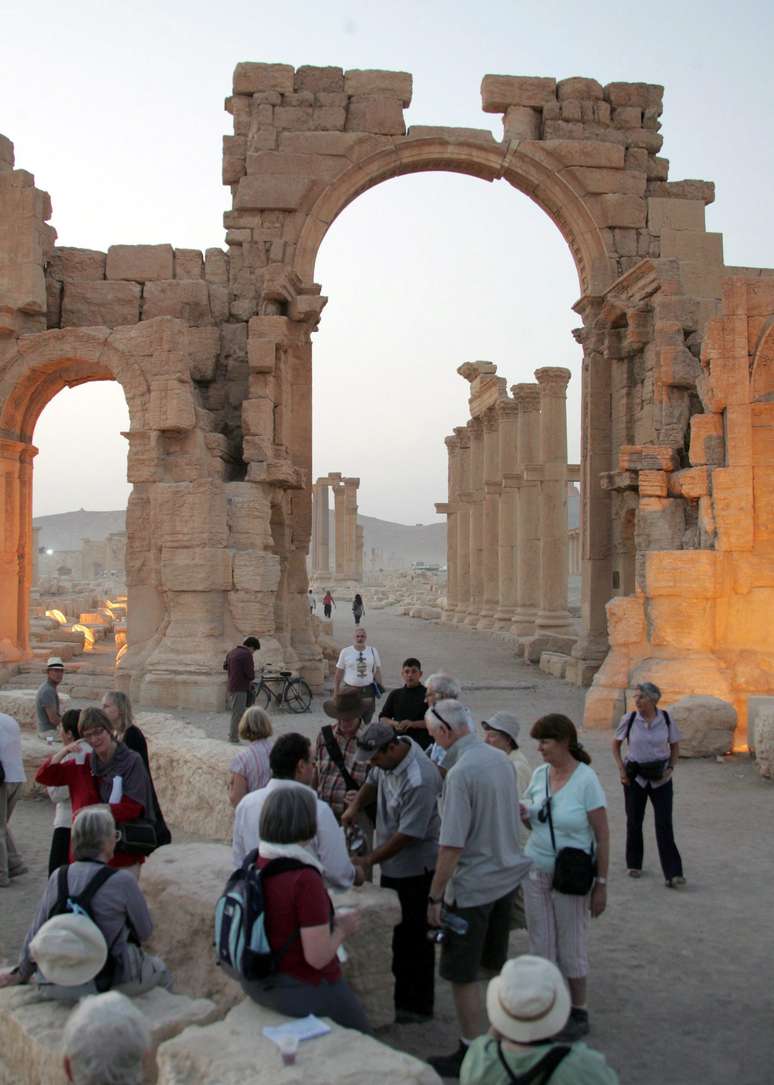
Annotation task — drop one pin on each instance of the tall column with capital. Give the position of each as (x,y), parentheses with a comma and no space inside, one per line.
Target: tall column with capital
(490,520)
(527,397)
(553,616)
(350,503)
(359,534)
(508,414)
(322,528)
(452,505)
(463,523)
(476,429)
(340,527)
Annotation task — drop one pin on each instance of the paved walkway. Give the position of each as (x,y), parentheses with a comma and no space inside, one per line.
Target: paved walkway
(681,981)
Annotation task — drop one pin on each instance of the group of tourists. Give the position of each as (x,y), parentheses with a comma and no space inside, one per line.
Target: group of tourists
(472,841)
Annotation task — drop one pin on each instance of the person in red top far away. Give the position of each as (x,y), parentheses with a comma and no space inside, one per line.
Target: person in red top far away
(241,673)
(111,773)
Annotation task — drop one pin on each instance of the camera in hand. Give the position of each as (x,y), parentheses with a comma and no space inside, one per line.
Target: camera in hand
(356,841)
(450,924)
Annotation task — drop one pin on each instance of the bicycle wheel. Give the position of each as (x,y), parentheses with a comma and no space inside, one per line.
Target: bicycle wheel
(263,696)
(298,695)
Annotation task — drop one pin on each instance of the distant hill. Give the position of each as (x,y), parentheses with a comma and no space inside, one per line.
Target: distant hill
(65,530)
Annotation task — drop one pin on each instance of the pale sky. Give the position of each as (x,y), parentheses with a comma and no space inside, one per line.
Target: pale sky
(118,111)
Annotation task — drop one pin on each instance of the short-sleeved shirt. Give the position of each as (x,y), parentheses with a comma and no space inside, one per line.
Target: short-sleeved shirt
(408,703)
(10,750)
(407,802)
(358,666)
(296,899)
(46,697)
(570,807)
(252,762)
(480,815)
(330,783)
(582,1066)
(648,741)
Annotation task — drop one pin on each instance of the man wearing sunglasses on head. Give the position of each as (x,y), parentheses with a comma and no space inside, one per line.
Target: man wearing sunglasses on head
(359,668)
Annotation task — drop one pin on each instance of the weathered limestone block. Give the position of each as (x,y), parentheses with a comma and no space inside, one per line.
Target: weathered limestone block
(521,122)
(100,304)
(625,620)
(20,703)
(140,263)
(182,886)
(206,569)
(682,674)
(171,406)
(763,738)
(618,210)
(707,440)
(693,483)
(235,1050)
(186,299)
(498,92)
(256,570)
(316,79)
(596,180)
(372,82)
(660,524)
(653,484)
(683,574)
(6,154)
(252,78)
(644,95)
(548,642)
(554,663)
(579,87)
(83,265)
(190,772)
(707,725)
(189,264)
(733,504)
(35,750)
(383,116)
(31,1030)
(429,614)
(271,193)
(582,152)
(680,623)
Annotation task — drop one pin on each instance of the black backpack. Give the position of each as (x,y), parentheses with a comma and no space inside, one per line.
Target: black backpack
(81,905)
(541,1072)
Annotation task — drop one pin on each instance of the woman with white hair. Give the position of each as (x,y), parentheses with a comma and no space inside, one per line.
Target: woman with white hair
(653,747)
(88,1060)
(527,1005)
(64,956)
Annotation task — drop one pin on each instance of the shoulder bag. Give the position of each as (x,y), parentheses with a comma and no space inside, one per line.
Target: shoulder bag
(651,771)
(541,1072)
(574,868)
(337,757)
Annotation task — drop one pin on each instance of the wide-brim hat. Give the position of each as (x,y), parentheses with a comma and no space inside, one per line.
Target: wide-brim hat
(69,950)
(344,706)
(505,722)
(528,1001)
(54,661)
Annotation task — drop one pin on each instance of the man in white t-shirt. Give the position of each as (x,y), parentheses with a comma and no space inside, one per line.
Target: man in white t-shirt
(358,667)
(11,863)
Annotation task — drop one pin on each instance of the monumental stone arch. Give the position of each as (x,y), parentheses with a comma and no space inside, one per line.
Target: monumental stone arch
(214,352)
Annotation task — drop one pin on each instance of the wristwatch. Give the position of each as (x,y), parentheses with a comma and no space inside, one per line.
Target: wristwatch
(434,900)
(601,881)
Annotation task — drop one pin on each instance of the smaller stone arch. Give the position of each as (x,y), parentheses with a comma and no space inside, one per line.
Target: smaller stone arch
(762,370)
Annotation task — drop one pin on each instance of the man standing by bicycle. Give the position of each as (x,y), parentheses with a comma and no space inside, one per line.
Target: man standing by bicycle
(241,672)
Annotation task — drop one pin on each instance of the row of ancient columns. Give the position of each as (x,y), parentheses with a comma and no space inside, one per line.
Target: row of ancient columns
(347,548)
(507,553)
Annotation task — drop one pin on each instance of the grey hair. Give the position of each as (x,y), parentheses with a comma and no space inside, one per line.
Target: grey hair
(93,826)
(444,685)
(652,692)
(105,1039)
(452,713)
(289,816)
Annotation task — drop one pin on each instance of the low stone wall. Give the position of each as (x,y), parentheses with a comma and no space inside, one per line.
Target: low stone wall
(190,772)
(20,703)
(31,1030)
(235,1051)
(182,883)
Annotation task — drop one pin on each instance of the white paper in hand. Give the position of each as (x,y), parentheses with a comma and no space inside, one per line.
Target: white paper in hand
(305,1028)
(118,790)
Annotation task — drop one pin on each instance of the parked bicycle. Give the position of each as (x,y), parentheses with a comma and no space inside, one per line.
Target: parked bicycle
(281,687)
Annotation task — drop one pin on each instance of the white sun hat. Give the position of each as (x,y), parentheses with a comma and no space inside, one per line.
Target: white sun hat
(69,950)
(528,1001)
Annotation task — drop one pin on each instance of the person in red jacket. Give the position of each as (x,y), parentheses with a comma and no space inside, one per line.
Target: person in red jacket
(111,774)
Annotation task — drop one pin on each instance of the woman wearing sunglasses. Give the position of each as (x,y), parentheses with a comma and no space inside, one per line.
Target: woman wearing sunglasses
(565,807)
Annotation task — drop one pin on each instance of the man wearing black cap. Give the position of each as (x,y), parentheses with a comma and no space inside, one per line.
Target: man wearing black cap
(406,786)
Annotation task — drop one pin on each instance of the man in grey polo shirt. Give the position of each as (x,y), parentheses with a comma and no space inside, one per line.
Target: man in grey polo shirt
(47,697)
(480,865)
(406,786)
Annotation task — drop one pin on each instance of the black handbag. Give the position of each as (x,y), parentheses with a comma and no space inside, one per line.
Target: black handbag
(137,837)
(574,869)
(648,770)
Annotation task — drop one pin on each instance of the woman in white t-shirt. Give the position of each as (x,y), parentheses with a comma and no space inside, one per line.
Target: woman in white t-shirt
(558,922)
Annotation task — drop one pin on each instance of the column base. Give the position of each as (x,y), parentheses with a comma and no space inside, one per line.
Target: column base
(561,622)
(546,642)
(461,615)
(473,617)
(523,623)
(487,617)
(503,619)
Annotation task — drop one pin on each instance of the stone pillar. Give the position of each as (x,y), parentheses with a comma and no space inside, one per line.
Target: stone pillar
(491,519)
(340,520)
(476,429)
(553,616)
(359,554)
(15,540)
(463,524)
(35,556)
(508,413)
(451,507)
(321,530)
(350,505)
(527,397)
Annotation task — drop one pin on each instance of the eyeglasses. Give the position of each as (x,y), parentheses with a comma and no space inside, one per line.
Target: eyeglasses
(92,733)
(438,716)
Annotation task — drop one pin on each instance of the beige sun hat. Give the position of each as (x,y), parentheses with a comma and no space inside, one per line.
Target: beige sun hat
(69,949)
(54,661)
(528,1001)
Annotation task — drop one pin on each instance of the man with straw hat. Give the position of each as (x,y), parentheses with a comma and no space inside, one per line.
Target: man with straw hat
(527,1005)
(47,697)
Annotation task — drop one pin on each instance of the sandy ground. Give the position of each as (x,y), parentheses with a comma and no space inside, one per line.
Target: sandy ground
(681,981)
